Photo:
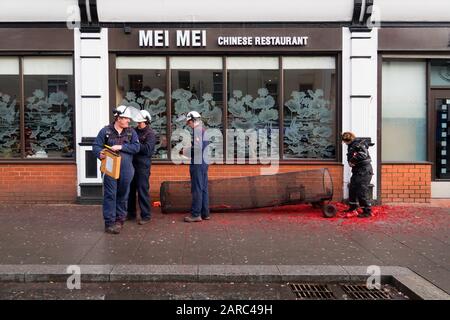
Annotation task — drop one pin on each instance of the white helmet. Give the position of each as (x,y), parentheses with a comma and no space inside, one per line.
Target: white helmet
(143,116)
(193,115)
(122,111)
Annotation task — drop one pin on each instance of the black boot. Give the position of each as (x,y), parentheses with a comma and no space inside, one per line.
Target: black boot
(367,212)
(352,208)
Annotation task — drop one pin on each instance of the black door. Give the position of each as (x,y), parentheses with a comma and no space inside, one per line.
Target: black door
(440,121)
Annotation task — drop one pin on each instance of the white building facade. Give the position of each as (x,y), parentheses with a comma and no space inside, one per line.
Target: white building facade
(308,70)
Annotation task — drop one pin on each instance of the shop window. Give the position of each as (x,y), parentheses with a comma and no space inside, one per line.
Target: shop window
(253,111)
(404,111)
(253,117)
(49,107)
(440,73)
(141,83)
(197,86)
(309,108)
(9,108)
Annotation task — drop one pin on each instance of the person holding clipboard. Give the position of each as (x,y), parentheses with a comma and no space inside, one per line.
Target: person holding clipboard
(124,140)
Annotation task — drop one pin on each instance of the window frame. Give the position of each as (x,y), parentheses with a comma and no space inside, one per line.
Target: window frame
(21,98)
(427,57)
(428,133)
(432,91)
(337,55)
(337,115)
(163,70)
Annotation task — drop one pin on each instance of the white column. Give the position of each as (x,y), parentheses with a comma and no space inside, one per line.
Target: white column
(91,94)
(359,93)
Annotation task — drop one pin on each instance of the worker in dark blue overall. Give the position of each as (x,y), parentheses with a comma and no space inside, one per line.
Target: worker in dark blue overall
(198,170)
(122,139)
(359,160)
(142,163)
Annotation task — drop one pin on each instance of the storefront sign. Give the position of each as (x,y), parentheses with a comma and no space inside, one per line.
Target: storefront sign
(197,38)
(262,41)
(221,38)
(160,38)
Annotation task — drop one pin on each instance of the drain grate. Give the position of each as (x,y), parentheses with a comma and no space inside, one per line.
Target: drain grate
(361,292)
(310,291)
(344,291)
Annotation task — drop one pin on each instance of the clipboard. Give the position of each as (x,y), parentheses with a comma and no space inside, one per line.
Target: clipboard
(111,163)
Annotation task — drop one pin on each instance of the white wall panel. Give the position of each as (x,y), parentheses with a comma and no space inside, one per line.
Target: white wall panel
(361,47)
(39,10)
(363,115)
(230,10)
(359,78)
(93,117)
(91,47)
(346,102)
(413,10)
(91,77)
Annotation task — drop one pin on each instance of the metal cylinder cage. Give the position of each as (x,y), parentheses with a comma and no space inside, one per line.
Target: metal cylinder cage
(309,186)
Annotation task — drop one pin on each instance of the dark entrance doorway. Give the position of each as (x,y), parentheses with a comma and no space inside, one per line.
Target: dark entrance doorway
(440,126)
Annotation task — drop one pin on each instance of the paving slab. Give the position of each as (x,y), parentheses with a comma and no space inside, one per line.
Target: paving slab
(242,273)
(313,273)
(154,273)
(362,273)
(420,287)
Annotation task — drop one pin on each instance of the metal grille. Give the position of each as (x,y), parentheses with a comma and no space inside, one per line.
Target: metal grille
(252,192)
(361,292)
(308,291)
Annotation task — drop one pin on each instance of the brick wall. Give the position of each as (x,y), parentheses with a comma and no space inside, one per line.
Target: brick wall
(56,183)
(406,183)
(38,183)
(163,172)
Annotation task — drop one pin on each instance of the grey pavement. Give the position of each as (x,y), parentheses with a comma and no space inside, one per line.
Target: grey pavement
(417,238)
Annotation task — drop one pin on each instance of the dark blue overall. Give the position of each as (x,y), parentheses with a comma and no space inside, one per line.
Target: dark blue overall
(198,170)
(362,172)
(142,162)
(115,192)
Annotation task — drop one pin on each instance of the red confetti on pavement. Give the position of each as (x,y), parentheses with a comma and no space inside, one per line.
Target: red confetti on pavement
(383,217)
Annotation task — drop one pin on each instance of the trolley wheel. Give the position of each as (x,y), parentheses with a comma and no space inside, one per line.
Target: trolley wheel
(329,211)
(317,205)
